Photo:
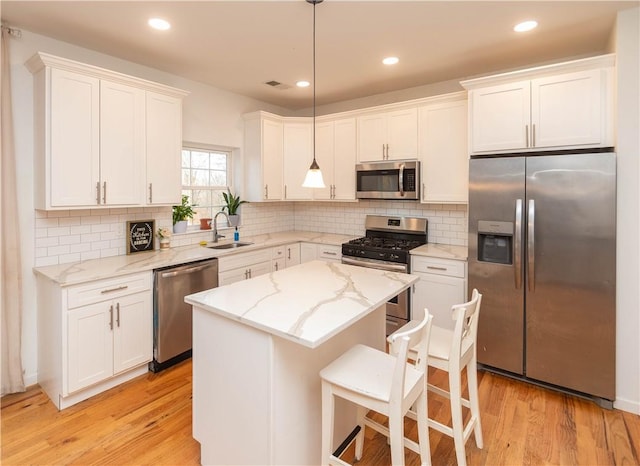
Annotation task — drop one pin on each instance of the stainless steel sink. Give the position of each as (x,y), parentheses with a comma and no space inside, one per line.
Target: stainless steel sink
(229,245)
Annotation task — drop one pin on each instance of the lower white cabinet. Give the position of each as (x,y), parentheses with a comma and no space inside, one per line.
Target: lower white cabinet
(244,266)
(326,252)
(93,336)
(443,283)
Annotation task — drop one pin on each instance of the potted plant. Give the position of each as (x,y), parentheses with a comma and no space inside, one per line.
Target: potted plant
(181,213)
(232,203)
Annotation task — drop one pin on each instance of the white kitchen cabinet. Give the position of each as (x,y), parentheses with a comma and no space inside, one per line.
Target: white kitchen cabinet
(285,256)
(93,336)
(243,266)
(443,150)
(390,135)
(263,157)
(91,138)
(443,283)
(336,145)
(122,143)
(561,106)
(297,155)
(326,252)
(164,148)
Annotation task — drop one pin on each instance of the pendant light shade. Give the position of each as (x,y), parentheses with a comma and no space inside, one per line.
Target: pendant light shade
(314,175)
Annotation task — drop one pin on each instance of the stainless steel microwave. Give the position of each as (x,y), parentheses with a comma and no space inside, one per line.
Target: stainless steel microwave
(388,180)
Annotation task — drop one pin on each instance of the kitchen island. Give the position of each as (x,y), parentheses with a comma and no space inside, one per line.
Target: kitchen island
(258,346)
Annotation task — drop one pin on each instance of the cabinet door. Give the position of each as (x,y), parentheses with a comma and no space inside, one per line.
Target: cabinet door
(444,152)
(402,134)
(74,150)
(292,254)
(133,327)
(297,157)
(308,252)
(438,293)
(122,142)
(372,137)
(90,345)
(325,159)
(567,110)
(232,276)
(500,117)
(255,270)
(272,146)
(344,152)
(163,149)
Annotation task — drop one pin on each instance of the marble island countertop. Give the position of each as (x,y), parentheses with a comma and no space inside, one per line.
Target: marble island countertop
(308,303)
(96,269)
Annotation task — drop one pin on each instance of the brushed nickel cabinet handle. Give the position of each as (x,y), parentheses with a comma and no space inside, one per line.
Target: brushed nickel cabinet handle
(111,290)
(533,135)
(150,193)
(436,268)
(526,134)
(104,196)
(111,317)
(98,192)
(118,314)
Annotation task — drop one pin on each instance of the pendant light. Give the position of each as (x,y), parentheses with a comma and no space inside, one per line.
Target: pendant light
(314,175)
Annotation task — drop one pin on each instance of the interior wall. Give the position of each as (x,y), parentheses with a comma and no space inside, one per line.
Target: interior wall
(627,43)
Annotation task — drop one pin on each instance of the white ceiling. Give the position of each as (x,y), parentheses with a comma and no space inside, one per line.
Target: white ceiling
(239,45)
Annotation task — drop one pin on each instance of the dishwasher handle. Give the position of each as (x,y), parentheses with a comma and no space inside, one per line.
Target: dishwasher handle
(184,271)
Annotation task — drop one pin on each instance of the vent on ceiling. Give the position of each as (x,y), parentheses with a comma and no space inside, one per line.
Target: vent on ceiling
(278,85)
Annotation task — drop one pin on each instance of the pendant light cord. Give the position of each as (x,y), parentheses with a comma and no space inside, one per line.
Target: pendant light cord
(314,83)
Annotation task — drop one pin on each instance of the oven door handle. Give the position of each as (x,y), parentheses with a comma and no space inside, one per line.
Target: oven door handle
(374,265)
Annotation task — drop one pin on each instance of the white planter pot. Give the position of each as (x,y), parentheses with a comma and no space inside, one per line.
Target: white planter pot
(234,220)
(180,227)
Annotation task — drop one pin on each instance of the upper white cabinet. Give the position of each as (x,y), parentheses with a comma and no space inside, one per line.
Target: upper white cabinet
(561,106)
(336,155)
(443,151)
(164,141)
(390,135)
(93,133)
(297,155)
(263,157)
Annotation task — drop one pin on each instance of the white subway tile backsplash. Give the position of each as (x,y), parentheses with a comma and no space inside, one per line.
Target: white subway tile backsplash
(69,236)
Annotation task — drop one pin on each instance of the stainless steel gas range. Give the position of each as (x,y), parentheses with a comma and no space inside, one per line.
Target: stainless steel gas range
(386,246)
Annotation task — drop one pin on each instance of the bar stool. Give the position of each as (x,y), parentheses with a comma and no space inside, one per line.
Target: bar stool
(452,351)
(385,383)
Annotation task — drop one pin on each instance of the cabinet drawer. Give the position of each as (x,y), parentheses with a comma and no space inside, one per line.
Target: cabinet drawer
(103,290)
(451,268)
(243,259)
(278,252)
(329,252)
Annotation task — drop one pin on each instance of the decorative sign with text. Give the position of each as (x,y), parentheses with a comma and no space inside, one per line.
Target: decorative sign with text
(140,235)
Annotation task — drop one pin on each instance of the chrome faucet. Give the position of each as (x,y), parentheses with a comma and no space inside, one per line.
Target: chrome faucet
(216,236)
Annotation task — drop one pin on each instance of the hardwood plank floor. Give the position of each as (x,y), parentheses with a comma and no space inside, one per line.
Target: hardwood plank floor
(148,421)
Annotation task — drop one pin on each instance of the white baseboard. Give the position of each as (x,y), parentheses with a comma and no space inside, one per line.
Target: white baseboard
(631,406)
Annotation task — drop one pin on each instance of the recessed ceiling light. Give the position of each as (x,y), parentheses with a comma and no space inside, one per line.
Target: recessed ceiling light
(390,60)
(525,26)
(160,24)
(303,84)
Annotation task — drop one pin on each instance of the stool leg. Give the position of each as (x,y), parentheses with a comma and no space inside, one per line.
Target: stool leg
(327,422)
(455,391)
(396,433)
(472,382)
(423,429)
(362,412)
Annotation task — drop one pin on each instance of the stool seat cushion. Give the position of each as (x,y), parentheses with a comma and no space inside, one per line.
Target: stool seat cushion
(368,371)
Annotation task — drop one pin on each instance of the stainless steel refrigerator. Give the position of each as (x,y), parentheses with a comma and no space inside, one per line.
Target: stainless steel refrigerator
(542,251)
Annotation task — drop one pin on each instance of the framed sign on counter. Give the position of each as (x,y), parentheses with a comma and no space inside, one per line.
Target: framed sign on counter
(140,234)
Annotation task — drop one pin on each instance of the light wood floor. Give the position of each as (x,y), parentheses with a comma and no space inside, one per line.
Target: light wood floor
(148,421)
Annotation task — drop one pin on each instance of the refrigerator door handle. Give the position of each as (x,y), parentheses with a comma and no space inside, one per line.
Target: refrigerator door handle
(517,246)
(531,253)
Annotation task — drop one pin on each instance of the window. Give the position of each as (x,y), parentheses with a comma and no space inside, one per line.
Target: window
(205,176)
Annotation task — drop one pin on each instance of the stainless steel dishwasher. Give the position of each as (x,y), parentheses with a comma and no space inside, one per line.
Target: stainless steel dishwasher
(172,317)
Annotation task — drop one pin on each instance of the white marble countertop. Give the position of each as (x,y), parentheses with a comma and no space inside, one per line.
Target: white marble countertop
(308,303)
(441,251)
(96,269)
